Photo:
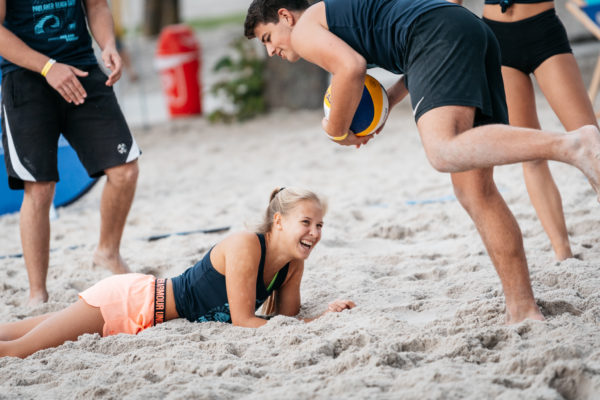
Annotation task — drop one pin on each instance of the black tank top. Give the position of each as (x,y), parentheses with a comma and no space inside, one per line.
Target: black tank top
(201,294)
(378,29)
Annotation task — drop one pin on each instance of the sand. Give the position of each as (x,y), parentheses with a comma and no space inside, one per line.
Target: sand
(430,309)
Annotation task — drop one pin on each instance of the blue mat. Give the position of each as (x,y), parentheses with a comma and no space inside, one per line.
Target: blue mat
(593,11)
(74,180)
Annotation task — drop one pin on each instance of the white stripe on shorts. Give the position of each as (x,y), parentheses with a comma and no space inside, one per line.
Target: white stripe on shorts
(19,168)
(134,152)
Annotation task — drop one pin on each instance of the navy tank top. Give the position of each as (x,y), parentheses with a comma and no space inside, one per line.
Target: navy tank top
(378,29)
(54,28)
(201,294)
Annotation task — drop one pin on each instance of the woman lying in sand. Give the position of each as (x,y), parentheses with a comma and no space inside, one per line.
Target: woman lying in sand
(229,284)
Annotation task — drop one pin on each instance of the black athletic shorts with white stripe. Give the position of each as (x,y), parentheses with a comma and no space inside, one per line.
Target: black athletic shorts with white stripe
(34,115)
(453,59)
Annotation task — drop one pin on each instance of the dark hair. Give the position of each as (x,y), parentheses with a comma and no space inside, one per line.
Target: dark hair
(265,11)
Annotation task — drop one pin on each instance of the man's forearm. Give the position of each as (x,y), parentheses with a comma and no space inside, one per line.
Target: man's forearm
(16,51)
(100,22)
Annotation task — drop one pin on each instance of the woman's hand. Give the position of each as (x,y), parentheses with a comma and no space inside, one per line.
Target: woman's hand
(340,305)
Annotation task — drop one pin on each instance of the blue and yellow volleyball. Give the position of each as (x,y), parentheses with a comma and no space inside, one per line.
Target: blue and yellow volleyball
(372,110)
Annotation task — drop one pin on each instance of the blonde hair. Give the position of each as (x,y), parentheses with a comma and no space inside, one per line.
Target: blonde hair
(282,201)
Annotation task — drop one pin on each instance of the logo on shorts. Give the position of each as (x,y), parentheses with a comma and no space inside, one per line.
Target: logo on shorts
(417,106)
(122,148)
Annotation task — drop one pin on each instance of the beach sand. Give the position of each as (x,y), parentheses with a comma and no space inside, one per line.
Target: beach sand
(430,308)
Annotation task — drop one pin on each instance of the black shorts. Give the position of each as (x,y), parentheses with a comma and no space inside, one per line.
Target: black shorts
(527,43)
(34,115)
(453,58)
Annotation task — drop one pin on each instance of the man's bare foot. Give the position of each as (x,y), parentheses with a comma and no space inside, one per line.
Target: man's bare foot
(112,262)
(37,297)
(531,312)
(586,156)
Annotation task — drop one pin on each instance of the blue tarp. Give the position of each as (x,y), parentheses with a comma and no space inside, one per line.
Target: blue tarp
(74,180)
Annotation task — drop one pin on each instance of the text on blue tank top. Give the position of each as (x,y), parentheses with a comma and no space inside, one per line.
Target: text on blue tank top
(378,29)
(56,29)
(201,292)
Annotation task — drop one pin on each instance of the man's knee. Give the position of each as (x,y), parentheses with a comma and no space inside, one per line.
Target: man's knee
(474,189)
(123,175)
(438,158)
(39,194)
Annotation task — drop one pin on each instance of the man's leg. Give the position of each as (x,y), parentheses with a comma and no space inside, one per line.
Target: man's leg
(502,238)
(35,236)
(490,145)
(117,197)
(497,226)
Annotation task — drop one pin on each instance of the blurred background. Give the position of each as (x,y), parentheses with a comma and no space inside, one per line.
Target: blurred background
(236,80)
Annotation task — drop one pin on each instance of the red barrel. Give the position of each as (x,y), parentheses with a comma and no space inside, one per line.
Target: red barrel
(178,61)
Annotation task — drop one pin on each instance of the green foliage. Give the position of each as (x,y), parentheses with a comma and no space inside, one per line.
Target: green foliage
(217,22)
(244,85)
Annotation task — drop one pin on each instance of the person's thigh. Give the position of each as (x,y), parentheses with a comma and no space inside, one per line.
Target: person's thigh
(560,80)
(437,127)
(520,98)
(30,122)
(97,129)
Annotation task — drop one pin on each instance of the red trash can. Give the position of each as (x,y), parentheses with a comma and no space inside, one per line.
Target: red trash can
(178,59)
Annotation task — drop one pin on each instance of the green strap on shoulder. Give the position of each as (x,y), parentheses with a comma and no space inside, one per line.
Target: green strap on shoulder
(272,282)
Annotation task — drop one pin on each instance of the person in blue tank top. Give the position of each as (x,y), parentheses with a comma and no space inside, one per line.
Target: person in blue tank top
(450,61)
(239,274)
(52,85)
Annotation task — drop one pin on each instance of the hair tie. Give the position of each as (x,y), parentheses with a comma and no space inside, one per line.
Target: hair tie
(279,191)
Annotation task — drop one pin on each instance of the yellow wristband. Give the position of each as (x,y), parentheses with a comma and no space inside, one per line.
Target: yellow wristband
(337,138)
(47,67)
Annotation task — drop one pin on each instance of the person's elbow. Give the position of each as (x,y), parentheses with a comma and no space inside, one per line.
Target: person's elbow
(247,321)
(355,68)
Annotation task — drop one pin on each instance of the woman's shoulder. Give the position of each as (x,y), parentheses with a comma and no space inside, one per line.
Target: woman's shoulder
(241,237)
(240,241)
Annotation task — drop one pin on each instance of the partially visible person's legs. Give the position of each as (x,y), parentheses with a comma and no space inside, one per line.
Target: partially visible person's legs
(14,330)
(35,236)
(105,145)
(560,80)
(497,226)
(55,329)
(543,193)
(117,197)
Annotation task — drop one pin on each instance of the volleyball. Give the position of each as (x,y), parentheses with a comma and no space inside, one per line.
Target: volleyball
(372,110)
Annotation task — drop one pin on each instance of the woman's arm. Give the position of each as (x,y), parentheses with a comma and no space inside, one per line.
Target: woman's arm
(288,296)
(242,256)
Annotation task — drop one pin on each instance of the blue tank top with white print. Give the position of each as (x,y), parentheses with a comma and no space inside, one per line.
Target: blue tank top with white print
(55,28)
(377,29)
(201,293)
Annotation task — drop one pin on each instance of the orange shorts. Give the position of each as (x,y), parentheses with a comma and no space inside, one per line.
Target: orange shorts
(125,301)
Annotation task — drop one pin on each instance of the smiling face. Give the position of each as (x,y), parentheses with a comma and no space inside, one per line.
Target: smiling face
(302,227)
(276,36)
